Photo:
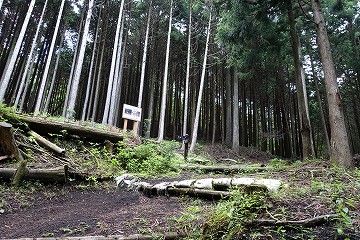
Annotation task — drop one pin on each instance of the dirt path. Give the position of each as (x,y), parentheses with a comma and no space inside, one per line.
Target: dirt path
(99,212)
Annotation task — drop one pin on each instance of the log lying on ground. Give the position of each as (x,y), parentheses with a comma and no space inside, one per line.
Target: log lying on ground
(59,174)
(7,141)
(43,127)
(213,188)
(47,144)
(225,168)
(203,193)
(309,222)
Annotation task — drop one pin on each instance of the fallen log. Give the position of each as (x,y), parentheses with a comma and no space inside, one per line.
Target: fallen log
(43,126)
(211,188)
(59,174)
(46,143)
(7,141)
(224,168)
(204,193)
(309,222)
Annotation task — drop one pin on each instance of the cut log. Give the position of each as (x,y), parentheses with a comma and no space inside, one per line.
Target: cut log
(224,168)
(47,144)
(309,222)
(43,127)
(59,174)
(7,141)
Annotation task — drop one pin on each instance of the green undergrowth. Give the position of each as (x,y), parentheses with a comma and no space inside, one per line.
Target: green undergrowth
(313,188)
(148,159)
(9,115)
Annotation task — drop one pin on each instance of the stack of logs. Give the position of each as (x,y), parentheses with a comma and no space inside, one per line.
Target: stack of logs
(10,150)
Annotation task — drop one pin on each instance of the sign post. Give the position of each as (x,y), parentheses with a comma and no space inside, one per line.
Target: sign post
(131,113)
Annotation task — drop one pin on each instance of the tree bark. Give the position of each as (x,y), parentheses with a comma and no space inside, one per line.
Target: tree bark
(114,59)
(47,144)
(164,90)
(235,112)
(305,125)
(202,80)
(40,97)
(28,61)
(59,174)
(79,63)
(91,78)
(143,62)
(44,127)
(229,107)
(187,79)
(10,64)
(340,149)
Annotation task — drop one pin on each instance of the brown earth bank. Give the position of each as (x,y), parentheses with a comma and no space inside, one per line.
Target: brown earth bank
(97,212)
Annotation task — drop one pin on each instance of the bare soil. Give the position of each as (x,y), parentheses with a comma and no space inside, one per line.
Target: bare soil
(96,212)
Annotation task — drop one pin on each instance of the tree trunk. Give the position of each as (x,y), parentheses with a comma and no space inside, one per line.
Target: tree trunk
(235,112)
(143,62)
(98,80)
(26,70)
(114,59)
(187,79)
(116,90)
(40,97)
(71,77)
(91,78)
(164,90)
(229,107)
(79,63)
(340,150)
(10,64)
(305,125)
(48,99)
(197,115)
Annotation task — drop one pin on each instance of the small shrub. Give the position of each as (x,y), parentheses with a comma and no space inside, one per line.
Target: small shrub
(148,158)
(229,216)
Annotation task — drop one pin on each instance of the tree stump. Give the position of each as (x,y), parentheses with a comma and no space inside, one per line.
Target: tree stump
(7,141)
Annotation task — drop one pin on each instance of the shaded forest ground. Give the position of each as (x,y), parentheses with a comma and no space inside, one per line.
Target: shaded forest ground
(95,207)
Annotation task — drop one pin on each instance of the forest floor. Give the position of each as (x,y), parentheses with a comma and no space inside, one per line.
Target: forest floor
(91,208)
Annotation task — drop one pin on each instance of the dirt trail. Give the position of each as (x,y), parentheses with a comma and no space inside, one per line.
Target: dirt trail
(99,212)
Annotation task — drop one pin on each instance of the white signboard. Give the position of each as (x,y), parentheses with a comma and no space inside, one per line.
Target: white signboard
(131,113)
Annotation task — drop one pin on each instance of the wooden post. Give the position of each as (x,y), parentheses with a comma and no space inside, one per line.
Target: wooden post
(19,174)
(135,126)
(7,141)
(125,124)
